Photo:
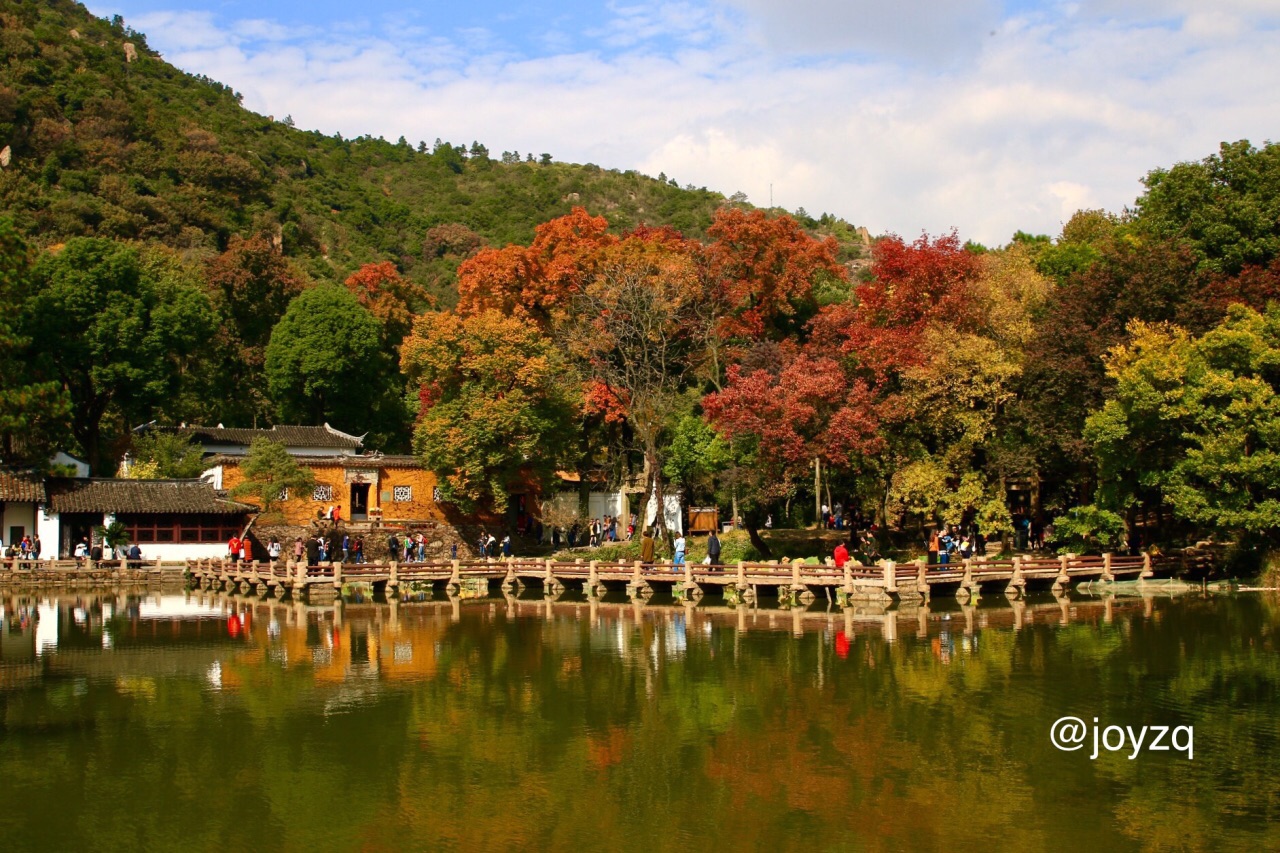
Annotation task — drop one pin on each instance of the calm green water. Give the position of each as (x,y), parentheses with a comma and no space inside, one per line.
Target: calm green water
(190,722)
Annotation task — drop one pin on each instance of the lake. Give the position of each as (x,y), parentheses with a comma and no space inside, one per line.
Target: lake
(167,720)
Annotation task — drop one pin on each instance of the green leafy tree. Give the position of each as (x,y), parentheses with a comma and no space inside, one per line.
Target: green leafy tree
(33,413)
(696,456)
(1227,206)
(1196,421)
(113,335)
(272,475)
(326,363)
(114,535)
(1088,529)
(165,455)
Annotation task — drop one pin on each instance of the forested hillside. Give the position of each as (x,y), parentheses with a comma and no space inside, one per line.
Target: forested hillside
(134,149)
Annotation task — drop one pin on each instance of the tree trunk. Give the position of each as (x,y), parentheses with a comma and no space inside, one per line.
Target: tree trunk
(751,521)
(659,497)
(584,483)
(817,492)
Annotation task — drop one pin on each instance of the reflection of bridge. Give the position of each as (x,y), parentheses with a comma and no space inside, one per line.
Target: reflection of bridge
(796,581)
(396,639)
(890,621)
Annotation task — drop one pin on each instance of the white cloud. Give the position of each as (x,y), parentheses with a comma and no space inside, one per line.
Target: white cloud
(923,30)
(1060,108)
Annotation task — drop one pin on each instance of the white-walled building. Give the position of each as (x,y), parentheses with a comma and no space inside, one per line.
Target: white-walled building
(21,498)
(168,519)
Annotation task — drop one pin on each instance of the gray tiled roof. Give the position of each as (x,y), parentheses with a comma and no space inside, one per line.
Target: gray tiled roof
(141,496)
(290,436)
(21,487)
(366,460)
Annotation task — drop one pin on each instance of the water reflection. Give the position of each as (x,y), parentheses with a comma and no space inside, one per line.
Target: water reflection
(529,721)
(395,641)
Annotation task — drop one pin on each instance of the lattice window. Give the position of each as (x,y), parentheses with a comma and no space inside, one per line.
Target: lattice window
(435,494)
(322,493)
(150,529)
(284,495)
(402,494)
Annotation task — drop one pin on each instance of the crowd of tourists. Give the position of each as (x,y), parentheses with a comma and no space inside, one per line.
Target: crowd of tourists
(26,548)
(596,532)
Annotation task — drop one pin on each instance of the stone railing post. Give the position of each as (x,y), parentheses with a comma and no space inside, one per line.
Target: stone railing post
(1146,566)
(890,570)
(1106,567)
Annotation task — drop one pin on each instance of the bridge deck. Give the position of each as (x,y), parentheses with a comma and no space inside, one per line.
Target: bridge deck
(794,578)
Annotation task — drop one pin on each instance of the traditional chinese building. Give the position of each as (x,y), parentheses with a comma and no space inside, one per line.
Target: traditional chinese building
(167,519)
(22,498)
(363,486)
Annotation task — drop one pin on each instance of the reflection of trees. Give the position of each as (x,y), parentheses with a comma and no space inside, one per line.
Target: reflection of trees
(562,733)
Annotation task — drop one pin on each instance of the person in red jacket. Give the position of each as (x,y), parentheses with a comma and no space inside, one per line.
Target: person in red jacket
(841,555)
(233,548)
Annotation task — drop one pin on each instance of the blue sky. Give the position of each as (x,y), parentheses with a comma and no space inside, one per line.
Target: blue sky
(919,115)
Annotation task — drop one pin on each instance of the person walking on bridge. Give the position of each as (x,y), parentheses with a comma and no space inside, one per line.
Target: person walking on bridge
(713,549)
(646,547)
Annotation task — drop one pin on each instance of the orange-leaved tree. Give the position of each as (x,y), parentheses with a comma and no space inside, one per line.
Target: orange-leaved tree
(389,297)
(539,280)
(494,403)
